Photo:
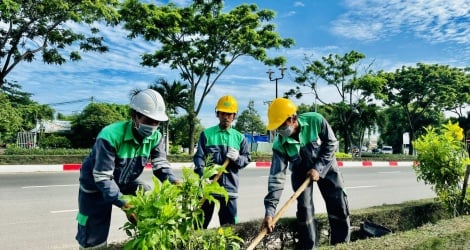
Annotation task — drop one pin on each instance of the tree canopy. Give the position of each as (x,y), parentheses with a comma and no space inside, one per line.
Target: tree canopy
(249,121)
(201,42)
(41,27)
(422,91)
(93,118)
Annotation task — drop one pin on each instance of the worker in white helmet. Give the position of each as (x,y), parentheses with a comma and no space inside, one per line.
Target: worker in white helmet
(118,158)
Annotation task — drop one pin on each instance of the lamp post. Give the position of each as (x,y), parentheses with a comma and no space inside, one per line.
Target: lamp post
(270,74)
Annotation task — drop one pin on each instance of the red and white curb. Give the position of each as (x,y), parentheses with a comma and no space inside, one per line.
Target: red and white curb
(179,165)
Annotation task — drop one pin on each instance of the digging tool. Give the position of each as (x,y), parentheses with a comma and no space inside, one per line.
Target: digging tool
(278,215)
(216,178)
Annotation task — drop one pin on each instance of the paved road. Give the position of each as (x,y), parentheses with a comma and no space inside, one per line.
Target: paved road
(38,209)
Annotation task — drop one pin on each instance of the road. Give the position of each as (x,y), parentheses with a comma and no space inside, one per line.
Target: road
(38,209)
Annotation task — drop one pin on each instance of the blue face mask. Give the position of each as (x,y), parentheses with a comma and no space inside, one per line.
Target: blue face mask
(146,130)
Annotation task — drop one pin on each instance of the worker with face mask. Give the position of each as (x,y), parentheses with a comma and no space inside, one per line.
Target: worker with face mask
(306,144)
(117,159)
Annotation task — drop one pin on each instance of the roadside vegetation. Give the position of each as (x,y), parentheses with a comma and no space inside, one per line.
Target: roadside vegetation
(411,99)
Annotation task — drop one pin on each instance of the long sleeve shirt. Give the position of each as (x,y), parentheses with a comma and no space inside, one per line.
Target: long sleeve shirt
(117,159)
(315,149)
(214,142)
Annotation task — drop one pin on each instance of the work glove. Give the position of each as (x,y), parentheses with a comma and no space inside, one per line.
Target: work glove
(232,154)
(268,224)
(131,217)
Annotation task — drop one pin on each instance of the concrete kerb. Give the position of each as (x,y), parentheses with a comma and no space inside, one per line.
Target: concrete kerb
(180,165)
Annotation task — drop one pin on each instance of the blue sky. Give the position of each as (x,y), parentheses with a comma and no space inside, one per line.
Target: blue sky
(390,33)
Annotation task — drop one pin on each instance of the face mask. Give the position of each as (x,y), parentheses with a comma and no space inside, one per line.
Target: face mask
(286,131)
(146,130)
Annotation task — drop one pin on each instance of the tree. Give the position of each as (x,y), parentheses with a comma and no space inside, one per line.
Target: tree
(92,119)
(10,120)
(340,72)
(175,96)
(201,42)
(179,128)
(460,103)
(35,26)
(15,94)
(422,92)
(249,121)
(31,112)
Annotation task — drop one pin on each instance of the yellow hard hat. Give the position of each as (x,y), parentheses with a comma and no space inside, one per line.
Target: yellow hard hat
(278,111)
(227,104)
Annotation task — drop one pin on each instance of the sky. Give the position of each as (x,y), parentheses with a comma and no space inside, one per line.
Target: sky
(391,34)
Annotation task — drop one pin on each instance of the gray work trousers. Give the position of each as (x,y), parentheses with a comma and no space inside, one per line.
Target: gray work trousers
(331,188)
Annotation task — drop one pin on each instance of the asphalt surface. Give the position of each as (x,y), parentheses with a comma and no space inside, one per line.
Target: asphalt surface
(39,208)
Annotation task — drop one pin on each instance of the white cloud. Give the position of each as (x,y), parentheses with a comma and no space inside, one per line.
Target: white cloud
(298,4)
(290,13)
(432,20)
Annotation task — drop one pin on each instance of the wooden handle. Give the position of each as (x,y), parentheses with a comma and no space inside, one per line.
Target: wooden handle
(278,215)
(224,166)
(216,178)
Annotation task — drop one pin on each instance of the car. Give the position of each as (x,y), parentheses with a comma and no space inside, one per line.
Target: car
(387,150)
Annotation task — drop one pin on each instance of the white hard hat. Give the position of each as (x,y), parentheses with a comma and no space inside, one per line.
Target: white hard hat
(149,103)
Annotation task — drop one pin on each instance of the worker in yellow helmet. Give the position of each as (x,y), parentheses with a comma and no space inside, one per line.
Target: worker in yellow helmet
(222,142)
(307,144)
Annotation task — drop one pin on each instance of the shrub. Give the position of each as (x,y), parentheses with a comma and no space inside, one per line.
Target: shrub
(442,161)
(170,216)
(55,141)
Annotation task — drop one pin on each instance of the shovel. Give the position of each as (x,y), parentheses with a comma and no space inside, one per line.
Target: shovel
(278,215)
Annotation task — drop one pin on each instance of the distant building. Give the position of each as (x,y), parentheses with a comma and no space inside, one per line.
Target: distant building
(54,126)
(29,139)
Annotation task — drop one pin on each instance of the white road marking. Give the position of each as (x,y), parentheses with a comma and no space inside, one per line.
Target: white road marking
(356,187)
(64,211)
(51,186)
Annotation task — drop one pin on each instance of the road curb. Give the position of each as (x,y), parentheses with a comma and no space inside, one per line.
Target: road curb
(179,165)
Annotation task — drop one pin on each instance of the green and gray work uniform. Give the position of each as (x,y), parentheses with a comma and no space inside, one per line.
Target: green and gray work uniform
(111,170)
(314,150)
(214,142)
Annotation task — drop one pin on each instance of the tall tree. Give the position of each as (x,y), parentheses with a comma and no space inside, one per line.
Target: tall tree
(179,128)
(10,120)
(460,103)
(175,96)
(15,94)
(422,91)
(340,72)
(30,111)
(201,42)
(37,26)
(92,119)
(249,121)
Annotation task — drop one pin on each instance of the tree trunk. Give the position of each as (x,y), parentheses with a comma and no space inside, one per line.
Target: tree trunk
(464,189)
(192,129)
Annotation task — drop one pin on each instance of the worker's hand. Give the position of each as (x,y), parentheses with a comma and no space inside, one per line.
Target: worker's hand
(131,217)
(232,154)
(313,174)
(268,223)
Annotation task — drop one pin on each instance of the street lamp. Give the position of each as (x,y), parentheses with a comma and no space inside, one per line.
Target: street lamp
(270,74)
